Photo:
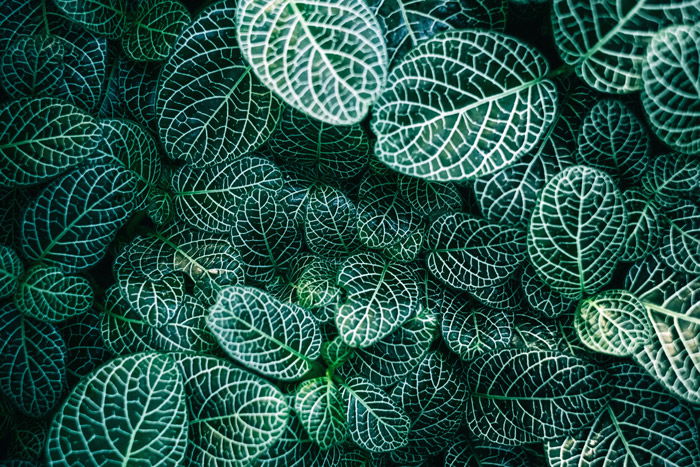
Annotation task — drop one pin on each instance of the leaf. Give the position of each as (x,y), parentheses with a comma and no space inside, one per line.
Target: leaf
(277,339)
(75,218)
(470,330)
(613,139)
(612,322)
(32,363)
(673,308)
(33,66)
(107,19)
(477,452)
(467,252)
(680,245)
(380,296)
(86,349)
(376,424)
(151,33)
(430,198)
(672,177)
(11,268)
(330,222)
(406,23)
(131,146)
(314,283)
(321,409)
(670,96)
(211,107)
(207,198)
(577,231)
(130,411)
(642,425)
(523,396)
(234,416)
(463,104)
(40,138)
(434,398)
(47,294)
(295,449)
(590,36)
(154,301)
(265,236)
(506,296)
(330,152)
(328,59)
(643,225)
(394,357)
(138,85)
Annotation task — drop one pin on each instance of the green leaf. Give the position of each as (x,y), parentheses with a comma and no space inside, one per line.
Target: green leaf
(40,138)
(406,23)
(670,95)
(11,268)
(482,453)
(211,107)
(138,84)
(86,349)
(524,396)
(33,66)
(380,296)
(295,449)
(154,301)
(330,152)
(591,34)
(106,18)
(48,294)
(680,246)
(130,411)
(672,177)
(277,339)
(330,222)
(314,282)
(321,409)
(395,356)
(159,206)
(577,231)
(470,330)
(131,146)
(469,253)
(151,33)
(642,425)
(430,198)
(32,362)
(506,296)
(207,199)
(74,219)
(328,59)
(234,416)
(612,322)
(265,235)
(463,104)
(672,302)
(643,225)
(375,422)
(613,139)
(434,398)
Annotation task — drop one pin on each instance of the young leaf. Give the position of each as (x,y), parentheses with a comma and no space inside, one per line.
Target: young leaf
(152,31)
(321,409)
(11,268)
(328,58)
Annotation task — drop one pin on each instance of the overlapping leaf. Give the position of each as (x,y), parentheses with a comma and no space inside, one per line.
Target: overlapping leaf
(33,66)
(11,268)
(153,29)
(105,18)
(330,222)
(643,225)
(680,245)
(672,177)
(321,409)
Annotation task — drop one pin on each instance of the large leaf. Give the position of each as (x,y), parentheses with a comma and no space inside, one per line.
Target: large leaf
(40,138)
(11,268)
(612,322)
(577,231)
(321,409)
(47,294)
(523,396)
(467,252)
(211,107)
(274,338)
(408,22)
(74,219)
(32,362)
(462,105)
(328,58)
(605,40)
(672,301)
(107,18)
(152,31)
(234,416)
(613,139)
(33,66)
(207,198)
(375,422)
(379,297)
(130,411)
(642,425)
(671,97)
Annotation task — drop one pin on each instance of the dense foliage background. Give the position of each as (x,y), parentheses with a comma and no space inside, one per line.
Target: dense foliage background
(349,232)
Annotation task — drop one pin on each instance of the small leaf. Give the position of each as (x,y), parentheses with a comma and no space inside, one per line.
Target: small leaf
(321,409)
(11,268)
(33,66)
(105,18)
(152,31)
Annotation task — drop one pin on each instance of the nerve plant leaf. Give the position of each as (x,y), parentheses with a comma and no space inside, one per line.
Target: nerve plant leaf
(321,409)
(33,66)
(152,31)
(328,58)
(11,268)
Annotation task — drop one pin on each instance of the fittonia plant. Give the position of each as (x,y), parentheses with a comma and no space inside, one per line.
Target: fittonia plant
(349,232)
